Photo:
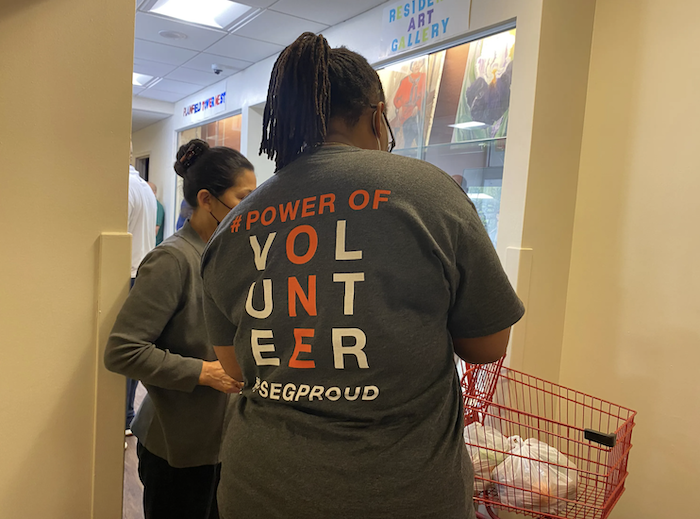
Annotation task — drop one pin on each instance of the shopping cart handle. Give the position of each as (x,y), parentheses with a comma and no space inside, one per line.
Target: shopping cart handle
(608,440)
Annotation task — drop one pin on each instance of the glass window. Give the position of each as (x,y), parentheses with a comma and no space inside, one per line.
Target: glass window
(450,108)
(225,132)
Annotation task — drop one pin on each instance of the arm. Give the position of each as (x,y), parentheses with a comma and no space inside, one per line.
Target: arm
(151,304)
(227,357)
(401,94)
(485,305)
(482,350)
(222,331)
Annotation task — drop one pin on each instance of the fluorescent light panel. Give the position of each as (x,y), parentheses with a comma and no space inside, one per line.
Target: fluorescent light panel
(140,79)
(212,13)
(471,125)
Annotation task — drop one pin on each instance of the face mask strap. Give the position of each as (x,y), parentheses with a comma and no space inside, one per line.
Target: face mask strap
(376,133)
(226,206)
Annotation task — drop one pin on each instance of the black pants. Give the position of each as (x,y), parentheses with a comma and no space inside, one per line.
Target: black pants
(171,493)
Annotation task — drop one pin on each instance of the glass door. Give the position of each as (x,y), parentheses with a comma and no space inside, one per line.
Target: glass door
(450,108)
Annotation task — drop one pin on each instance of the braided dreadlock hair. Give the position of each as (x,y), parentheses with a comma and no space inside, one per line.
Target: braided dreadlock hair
(311,83)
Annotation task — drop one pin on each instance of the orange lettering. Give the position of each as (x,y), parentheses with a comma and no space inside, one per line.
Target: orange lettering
(308,302)
(313,244)
(253,217)
(307,208)
(300,347)
(273,212)
(363,204)
(378,197)
(288,211)
(327,201)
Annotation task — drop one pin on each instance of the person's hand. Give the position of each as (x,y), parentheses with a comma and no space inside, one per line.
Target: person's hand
(214,376)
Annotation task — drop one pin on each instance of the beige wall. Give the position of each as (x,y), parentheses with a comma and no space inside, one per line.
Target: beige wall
(562,75)
(632,332)
(541,167)
(65,94)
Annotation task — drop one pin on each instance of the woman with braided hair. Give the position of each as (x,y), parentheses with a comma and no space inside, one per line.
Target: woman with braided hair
(160,339)
(338,294)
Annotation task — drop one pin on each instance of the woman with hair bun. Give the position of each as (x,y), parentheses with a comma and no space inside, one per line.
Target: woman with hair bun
(160,339)
(339,293)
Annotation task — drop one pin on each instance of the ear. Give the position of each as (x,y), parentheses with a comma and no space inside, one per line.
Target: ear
(204,199)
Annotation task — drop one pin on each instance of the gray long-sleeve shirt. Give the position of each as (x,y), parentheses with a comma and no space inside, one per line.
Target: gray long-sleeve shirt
(160,339)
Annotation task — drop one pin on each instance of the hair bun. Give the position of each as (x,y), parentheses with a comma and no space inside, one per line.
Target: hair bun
(188,154)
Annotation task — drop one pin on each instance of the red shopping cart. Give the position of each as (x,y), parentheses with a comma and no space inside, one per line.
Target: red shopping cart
(511,408)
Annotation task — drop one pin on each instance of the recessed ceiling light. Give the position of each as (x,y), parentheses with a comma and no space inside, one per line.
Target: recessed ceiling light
(173,35)
(213,13)
(471,125)
(140,79)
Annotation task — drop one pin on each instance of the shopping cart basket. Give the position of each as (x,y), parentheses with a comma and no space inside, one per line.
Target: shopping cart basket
(591,433)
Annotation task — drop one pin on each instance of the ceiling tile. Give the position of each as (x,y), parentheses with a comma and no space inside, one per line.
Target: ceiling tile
(238,47)
(177,87)
(324,11)
(204,61)
(163,53)
(149,26)
(161,95)
(257,3)
(198,77)
(152,68)
(135,90)
(278,28)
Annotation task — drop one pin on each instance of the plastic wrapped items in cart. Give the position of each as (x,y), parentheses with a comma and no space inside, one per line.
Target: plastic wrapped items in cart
(537,477)
(487,449)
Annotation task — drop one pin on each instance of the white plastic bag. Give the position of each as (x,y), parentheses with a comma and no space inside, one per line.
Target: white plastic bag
(482,444)
(540,476)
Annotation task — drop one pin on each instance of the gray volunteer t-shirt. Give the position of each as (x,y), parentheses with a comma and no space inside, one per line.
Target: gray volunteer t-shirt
(340,283)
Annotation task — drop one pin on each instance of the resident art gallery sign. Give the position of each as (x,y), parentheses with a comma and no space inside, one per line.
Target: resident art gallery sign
(409,25)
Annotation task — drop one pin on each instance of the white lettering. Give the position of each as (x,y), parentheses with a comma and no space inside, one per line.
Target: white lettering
(267,291)
(275,389)
(287,394)
(366,395)
(339,351)
(353,397)
(340,252)
(303,391)
(317,391)
(258,349)
(333,394)
(261,257)
(349,279)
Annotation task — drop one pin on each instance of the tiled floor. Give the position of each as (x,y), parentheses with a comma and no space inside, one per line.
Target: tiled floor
(133,489)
